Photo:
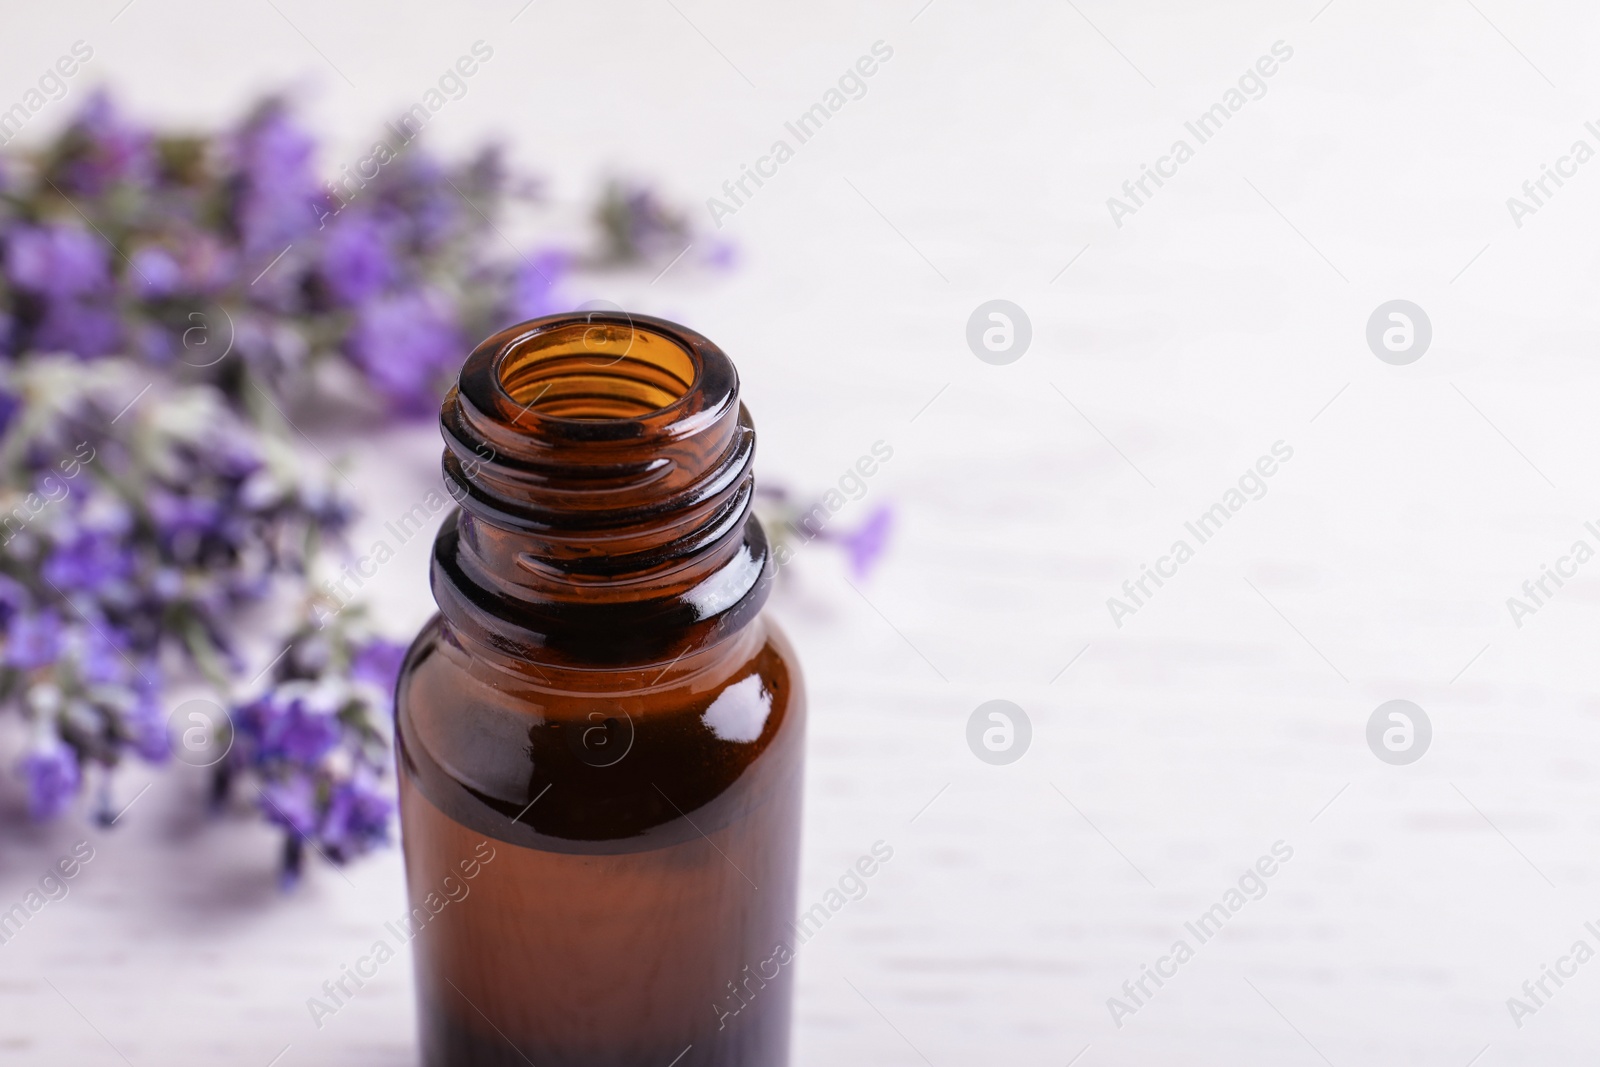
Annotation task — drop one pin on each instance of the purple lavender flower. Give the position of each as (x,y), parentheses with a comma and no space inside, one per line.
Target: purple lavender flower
(132,706)
(307,735)
(101,148)
(276,187)
(723,255)
(84,329)
(146,724)
(413,193)
(156,272)
(183,521)
(279,726)
(378,663)
(404,343)
(10,403)
(57,260)
(33,639)
(68,268)
(90,559)
(533,285)
(154,343)
(292,804)
(865,545)
(357,818)
(51,770)
(13,598)
(100,653)
(357,260)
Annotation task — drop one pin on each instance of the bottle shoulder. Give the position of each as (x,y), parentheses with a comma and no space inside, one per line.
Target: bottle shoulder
(600,755)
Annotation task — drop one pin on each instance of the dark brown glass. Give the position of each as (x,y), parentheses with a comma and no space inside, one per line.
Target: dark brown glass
(599,735)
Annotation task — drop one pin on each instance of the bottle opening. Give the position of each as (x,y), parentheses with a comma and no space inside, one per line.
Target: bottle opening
(592,371)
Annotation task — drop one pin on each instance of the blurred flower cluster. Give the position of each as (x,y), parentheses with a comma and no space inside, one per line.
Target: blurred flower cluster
(137,525)
(167,301)
(184,251)
(316,743)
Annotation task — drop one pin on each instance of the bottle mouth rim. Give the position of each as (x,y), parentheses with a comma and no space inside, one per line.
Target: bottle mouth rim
(592,376)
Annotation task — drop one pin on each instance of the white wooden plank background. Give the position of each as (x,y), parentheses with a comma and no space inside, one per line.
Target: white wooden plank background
(1224,316)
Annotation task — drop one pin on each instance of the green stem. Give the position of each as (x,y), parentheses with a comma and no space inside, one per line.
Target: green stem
(205,656)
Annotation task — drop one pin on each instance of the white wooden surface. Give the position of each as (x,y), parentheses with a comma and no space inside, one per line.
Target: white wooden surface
(1222,317)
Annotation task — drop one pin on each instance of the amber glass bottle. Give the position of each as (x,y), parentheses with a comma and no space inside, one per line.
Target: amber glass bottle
(599,735)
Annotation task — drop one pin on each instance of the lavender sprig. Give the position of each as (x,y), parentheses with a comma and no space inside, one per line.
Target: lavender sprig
(131,535)
(316,742)
(166,299)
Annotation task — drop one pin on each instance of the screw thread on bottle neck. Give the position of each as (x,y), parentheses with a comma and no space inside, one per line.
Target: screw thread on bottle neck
(603,464)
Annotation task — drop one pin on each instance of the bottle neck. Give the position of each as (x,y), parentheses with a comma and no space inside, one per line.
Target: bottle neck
(603,464)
